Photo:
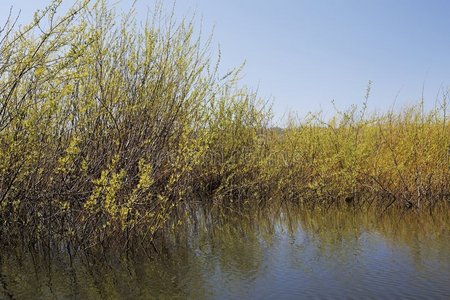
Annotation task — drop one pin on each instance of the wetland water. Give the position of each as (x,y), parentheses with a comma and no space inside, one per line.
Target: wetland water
(337,255)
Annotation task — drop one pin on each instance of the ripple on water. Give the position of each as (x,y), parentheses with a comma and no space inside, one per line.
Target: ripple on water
(318,258)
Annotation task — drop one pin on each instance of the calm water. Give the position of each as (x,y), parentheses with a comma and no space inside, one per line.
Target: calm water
(298,255)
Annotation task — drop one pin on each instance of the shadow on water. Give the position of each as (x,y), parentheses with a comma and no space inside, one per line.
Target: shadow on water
(296,253)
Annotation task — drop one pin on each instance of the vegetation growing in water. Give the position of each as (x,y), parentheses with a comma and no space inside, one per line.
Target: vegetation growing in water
(109,132)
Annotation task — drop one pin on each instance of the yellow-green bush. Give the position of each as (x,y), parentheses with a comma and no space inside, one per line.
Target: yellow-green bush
(400,159)
(105,127)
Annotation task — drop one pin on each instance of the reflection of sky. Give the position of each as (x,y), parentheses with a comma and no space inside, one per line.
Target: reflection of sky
(368,266)
(328,263)
(306,53)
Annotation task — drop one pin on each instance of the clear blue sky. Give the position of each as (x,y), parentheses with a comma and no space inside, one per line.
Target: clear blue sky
(304,54)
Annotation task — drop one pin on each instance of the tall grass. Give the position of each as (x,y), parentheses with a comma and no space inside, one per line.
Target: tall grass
(112,132)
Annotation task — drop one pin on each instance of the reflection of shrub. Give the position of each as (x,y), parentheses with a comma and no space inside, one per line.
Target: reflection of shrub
(108,131)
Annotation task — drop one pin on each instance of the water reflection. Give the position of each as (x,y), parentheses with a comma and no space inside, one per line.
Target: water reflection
(297,253)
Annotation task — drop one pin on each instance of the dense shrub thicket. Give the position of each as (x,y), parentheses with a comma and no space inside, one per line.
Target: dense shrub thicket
(111,131)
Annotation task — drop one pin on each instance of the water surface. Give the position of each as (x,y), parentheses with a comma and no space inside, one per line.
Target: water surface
(297,255)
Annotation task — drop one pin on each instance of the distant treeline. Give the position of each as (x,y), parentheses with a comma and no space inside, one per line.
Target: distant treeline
(116,132)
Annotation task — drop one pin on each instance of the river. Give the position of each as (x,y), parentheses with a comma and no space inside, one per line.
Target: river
(295,255)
